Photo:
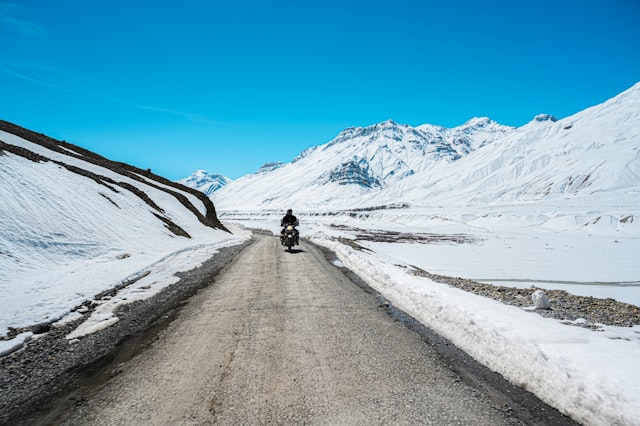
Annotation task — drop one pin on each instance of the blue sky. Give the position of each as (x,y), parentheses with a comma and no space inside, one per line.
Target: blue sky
(228,85)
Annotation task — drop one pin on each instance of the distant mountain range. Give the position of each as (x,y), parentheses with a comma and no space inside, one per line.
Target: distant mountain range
(584,155)
(205,182)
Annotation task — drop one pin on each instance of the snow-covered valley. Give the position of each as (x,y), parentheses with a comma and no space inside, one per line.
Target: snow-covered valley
(554,201)
(553,204)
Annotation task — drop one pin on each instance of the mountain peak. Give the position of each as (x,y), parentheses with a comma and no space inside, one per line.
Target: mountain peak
(204,181)
(477,162)
(270,166)
(388,123)
(478,122)
(356,132)
(545,117)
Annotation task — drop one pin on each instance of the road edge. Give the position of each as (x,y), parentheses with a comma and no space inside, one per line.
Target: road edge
(511,399)
(50,374)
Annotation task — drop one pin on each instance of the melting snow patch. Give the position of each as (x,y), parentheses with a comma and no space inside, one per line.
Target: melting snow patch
(10,346)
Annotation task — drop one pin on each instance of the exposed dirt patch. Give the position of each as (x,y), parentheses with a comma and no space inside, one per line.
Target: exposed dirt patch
(582,311)
(381,236)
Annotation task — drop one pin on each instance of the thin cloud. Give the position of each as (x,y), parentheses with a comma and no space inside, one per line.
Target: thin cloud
(10,69)
(189,116)
(20,26)
(24,71)
(193,117)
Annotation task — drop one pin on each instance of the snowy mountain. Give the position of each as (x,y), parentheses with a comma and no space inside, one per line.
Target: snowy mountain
(590,155)
(205,182)
(75,224)
(268,167)
(360,161)
(553,204)
(481,161)
(378,155)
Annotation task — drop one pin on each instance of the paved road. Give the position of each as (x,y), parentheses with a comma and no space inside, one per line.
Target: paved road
(286,338)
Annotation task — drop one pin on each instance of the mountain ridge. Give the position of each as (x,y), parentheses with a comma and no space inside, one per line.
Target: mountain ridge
(205,182)
(144,176)
(478,161)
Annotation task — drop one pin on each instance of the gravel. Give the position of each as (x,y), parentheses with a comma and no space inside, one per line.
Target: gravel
(581,311)
(49,366)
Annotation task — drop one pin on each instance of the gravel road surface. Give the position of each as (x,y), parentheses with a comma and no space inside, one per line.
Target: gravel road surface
(288,338)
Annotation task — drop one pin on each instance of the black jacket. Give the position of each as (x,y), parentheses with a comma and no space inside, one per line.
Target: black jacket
(289,220)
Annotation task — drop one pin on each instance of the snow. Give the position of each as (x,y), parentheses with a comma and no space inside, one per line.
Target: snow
(592,376)
(205,182)
(552,204)
(9,346)
(593,156)
(65,238)
(157,276)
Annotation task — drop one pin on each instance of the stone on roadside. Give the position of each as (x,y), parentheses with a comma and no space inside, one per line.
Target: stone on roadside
(540,300)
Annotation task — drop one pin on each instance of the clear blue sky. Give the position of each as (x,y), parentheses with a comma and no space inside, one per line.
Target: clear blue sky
(228,85)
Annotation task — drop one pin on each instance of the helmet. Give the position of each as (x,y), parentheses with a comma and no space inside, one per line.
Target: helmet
(289,211)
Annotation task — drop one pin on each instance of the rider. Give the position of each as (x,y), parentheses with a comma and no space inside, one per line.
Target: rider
(290,219)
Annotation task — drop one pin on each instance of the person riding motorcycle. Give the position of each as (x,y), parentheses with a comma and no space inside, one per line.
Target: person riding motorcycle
(289,219)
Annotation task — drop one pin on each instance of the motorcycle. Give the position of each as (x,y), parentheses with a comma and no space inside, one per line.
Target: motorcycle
(289,237)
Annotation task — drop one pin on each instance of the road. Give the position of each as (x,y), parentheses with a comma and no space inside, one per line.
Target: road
(286,338)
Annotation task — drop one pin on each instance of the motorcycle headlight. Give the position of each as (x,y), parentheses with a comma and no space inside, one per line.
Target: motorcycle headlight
(289,228)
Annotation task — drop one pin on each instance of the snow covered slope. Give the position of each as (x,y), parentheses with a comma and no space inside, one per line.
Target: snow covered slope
(205,182)
(589,154)
(554,204)
(75,224)
(359,162)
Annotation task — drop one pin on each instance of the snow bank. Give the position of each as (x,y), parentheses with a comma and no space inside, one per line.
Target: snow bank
(594,377)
